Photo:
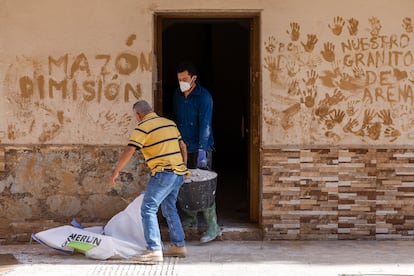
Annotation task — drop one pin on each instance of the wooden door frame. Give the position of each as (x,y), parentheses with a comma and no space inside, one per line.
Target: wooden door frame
(254,131)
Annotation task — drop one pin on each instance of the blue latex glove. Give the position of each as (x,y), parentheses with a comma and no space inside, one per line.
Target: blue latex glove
(202,159)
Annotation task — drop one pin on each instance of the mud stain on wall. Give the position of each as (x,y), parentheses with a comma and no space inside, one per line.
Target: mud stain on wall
(356,86)
(52,97)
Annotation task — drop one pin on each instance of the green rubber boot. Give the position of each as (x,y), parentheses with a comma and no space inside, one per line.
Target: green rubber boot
(189,219)
(213,229)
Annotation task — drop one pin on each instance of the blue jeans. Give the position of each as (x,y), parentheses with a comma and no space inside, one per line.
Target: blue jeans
(162,188)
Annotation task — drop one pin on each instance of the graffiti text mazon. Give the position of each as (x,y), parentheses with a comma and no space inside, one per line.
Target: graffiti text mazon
(74,80)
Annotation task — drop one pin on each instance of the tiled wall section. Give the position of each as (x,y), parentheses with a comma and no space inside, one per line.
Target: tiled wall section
(332,193)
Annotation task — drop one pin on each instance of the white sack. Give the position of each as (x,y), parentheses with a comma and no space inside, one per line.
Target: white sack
(121,237)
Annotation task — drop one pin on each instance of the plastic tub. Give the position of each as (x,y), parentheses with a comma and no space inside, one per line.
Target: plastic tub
(198,191)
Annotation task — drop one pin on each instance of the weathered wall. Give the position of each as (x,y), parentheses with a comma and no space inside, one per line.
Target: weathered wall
(328,78)
(71,71)
(336,116)
(339,73)
(337,120)
(44,186)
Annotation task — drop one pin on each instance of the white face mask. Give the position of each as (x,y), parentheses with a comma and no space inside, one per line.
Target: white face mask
(185,86)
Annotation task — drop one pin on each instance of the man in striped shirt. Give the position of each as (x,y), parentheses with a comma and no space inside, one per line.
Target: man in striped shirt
(165,154)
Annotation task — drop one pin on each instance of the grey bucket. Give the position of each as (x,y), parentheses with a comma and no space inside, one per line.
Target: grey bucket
(197,195)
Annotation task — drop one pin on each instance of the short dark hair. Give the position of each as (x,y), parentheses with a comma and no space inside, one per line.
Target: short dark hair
(187,66)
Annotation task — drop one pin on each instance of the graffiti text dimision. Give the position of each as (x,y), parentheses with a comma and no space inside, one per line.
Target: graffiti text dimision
(76,82)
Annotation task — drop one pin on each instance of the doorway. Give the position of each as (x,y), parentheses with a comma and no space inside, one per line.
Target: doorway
(221,49)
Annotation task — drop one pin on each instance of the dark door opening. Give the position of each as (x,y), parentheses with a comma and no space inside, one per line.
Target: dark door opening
(220,49)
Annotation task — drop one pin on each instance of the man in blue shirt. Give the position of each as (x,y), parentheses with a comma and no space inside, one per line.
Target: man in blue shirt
(193,108)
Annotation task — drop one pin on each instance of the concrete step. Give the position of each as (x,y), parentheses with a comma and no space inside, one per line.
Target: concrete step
(241,232)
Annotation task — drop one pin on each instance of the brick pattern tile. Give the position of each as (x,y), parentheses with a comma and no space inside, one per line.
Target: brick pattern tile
(329,193)
(395,195)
